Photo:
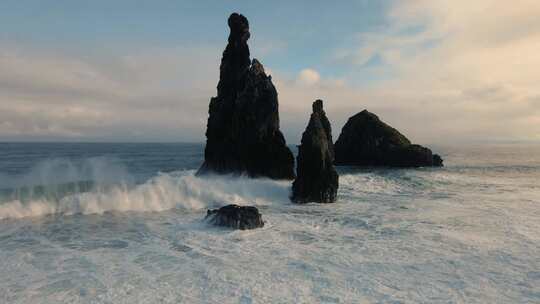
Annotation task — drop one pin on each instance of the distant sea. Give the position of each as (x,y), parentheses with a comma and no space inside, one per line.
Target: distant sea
(122,223)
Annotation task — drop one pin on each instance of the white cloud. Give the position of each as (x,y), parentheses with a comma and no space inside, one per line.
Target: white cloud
(456,69)
(308,77)
(449,70)
(156,95)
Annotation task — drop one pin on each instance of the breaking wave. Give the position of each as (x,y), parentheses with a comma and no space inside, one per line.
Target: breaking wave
(99,185)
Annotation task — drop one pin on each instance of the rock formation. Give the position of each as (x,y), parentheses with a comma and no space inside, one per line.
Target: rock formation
(316,178)
(236,217)
(367,141)
(437,160)
(243,135)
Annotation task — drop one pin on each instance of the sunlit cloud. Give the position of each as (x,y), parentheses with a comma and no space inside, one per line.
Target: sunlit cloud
(308,77)
(437,70)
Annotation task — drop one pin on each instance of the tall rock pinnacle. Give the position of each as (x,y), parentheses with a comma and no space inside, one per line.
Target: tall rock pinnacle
(317,179)
(243,135)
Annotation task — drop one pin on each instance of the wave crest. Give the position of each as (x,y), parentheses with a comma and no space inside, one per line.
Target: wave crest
(176,190)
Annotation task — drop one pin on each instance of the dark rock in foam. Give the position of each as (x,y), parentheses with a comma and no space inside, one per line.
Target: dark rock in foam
(236,217)
(317,179)
(243,135)
(367,141)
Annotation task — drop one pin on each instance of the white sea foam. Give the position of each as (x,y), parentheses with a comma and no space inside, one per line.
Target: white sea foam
(182,190)
(445,235)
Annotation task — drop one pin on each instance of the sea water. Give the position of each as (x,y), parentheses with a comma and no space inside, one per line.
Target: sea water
(123,223)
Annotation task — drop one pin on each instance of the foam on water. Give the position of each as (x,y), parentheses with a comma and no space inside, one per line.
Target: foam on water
(468,234)
(112,189)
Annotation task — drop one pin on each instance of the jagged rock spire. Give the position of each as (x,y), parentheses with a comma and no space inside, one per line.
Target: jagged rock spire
(317,179)
(243,135)
(235,61)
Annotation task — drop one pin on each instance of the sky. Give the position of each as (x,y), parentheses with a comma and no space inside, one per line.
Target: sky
(439,71)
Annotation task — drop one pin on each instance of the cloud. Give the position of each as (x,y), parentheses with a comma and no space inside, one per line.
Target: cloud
(159,94)
(308,77)
(456,70)
(437,70)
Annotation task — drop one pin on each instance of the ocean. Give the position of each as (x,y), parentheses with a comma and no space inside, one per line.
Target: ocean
(123,223)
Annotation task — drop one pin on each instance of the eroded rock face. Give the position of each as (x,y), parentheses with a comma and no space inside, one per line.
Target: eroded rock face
(243,135)
(367,141)
(317,179)
(236,217)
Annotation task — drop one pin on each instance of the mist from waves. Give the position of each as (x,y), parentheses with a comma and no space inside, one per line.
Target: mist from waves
(99,185)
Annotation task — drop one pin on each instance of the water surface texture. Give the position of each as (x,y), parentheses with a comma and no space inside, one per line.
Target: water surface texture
(121,223)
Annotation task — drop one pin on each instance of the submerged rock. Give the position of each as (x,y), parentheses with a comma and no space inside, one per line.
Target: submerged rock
(243,135)
(237,217)
(367,141)
(317,179)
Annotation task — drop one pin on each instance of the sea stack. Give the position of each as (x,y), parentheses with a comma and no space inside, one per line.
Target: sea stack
(243,135)
(316,178)
(365,140)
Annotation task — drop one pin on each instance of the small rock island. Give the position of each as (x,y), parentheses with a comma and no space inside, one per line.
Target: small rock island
(317,180)
(243,135)
(365,140)
(236,217)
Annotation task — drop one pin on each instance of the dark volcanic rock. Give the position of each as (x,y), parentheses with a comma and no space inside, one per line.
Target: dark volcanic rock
(317,179)
(243,135)
(367,141)
(237,217)
(437,160)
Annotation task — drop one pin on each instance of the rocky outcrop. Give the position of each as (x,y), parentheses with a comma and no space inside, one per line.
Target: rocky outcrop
(316,178)
(243,135)
(367,141)
(437,160)
(236,217)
